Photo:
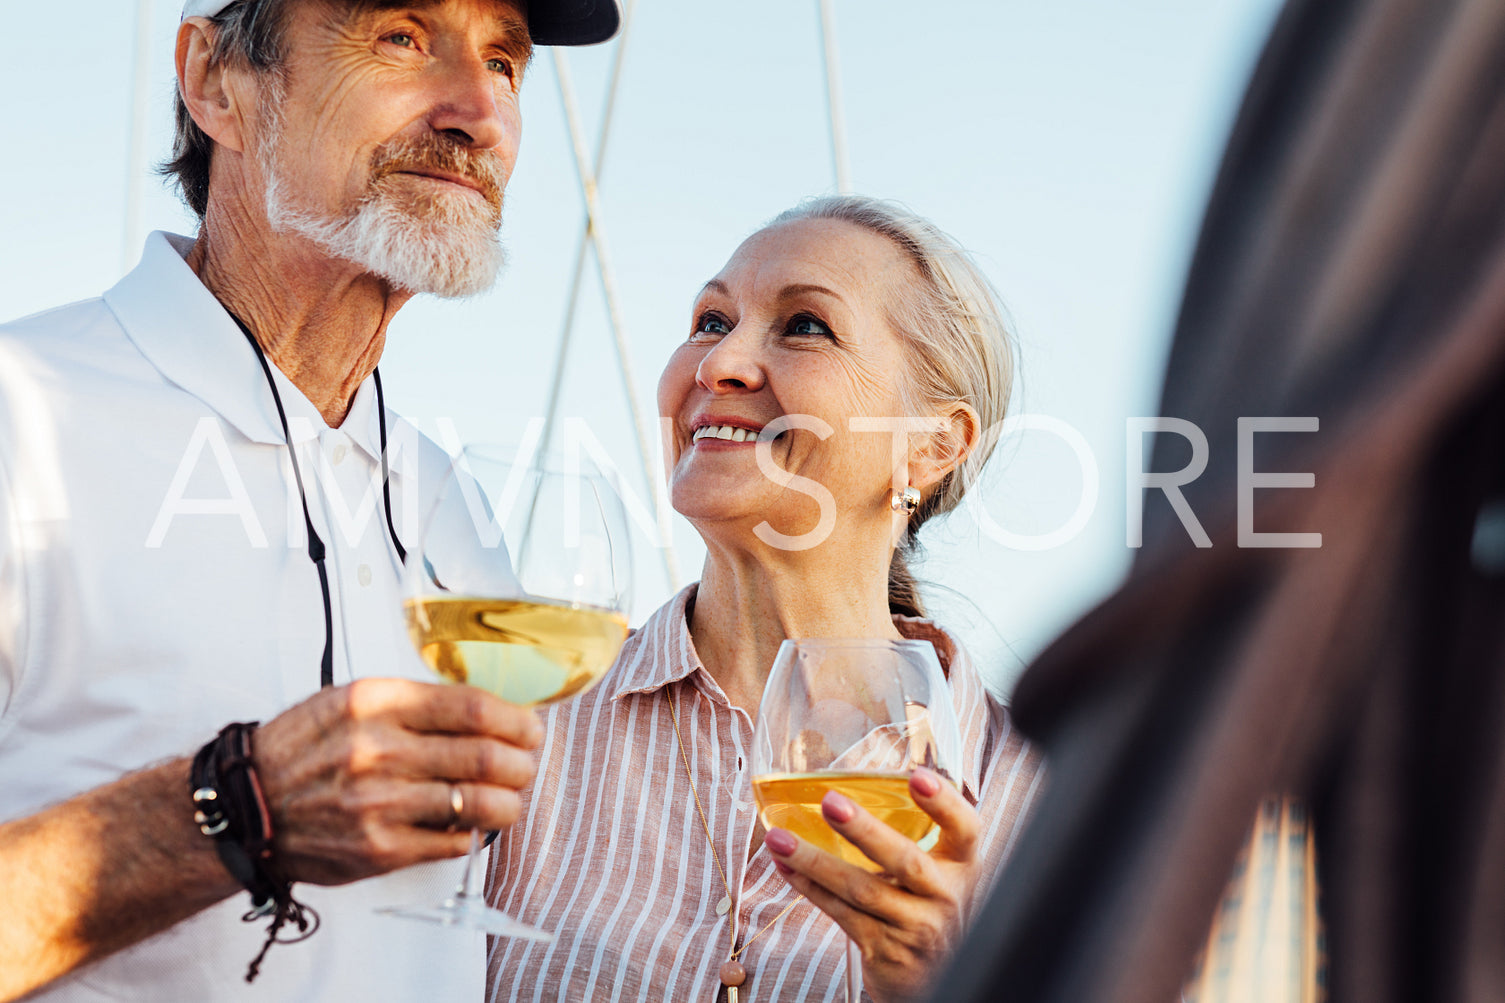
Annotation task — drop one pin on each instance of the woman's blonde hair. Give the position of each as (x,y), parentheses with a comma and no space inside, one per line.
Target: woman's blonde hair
(958,345)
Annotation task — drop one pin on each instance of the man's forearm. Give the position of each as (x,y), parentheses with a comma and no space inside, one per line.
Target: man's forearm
(358,778)
(100,872)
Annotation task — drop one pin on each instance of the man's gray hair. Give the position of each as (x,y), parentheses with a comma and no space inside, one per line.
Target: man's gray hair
(248,33)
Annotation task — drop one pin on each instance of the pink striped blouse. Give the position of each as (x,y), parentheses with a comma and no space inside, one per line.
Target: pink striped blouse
(610,854)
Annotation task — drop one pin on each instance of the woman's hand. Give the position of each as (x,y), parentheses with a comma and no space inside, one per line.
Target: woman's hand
(907,920)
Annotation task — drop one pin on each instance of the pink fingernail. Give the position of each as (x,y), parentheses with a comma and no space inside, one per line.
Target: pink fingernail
(837,807)
(780,842)
(926,784)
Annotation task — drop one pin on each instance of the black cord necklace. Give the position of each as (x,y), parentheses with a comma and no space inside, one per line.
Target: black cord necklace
(316,550)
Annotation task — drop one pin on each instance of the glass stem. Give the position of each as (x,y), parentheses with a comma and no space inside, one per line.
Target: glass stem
(470,880)
(854,972)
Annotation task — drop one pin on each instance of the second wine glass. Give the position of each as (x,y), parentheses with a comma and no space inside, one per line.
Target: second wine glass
(854,716)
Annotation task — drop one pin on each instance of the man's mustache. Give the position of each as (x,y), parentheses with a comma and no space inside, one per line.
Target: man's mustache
(436,152)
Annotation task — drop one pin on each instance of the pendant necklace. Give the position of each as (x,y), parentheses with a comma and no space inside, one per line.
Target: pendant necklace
(732,972)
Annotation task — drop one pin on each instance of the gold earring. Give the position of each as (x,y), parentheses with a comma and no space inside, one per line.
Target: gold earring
(906,501)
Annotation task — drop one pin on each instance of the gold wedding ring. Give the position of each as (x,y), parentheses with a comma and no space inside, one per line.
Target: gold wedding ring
(456,806)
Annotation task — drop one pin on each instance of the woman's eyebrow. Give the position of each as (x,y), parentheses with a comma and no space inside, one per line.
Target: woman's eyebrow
(804,288)
(788,292)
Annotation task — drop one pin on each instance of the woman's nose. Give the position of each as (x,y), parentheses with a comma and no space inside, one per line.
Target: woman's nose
(733,364)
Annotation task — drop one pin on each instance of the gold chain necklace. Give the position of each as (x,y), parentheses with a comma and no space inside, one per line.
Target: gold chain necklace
(732,973)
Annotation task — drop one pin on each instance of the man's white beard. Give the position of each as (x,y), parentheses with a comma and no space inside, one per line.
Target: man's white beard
(448,244)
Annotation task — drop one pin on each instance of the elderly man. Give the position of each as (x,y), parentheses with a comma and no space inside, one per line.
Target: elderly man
(171,457)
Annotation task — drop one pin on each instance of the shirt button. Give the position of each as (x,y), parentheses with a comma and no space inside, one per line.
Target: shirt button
(337,457)
(363,574)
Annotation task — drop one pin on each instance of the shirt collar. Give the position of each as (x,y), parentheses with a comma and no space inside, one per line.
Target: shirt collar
(663,652)
(192,340)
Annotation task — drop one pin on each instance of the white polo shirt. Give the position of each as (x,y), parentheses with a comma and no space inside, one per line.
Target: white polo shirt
(155,586)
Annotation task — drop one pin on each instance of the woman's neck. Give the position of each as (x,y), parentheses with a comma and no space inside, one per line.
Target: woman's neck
(747,605)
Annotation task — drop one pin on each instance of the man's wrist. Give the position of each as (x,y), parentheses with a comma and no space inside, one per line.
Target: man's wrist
(230,808)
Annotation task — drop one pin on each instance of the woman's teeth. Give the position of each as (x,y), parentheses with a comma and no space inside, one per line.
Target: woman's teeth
(732,432)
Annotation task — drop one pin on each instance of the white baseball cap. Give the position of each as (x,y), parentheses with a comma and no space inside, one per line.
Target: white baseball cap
(550,22)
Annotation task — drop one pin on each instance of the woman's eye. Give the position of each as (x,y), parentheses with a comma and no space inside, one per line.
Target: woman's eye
(806,324)
(403,39)
(712,323)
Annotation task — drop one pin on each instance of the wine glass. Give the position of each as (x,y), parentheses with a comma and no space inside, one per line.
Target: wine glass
(518,585)
(854,716)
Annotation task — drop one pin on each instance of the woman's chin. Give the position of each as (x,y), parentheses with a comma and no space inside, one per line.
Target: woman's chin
(717,514)
(754,526)
(701,494)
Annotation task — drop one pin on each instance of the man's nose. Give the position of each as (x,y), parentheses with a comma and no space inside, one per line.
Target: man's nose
(733,363)
(471,103)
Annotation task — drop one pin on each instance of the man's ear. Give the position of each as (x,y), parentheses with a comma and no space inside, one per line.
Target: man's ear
(937,454)
(205,89)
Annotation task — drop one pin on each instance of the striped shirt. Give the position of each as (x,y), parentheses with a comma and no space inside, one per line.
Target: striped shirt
(610,853)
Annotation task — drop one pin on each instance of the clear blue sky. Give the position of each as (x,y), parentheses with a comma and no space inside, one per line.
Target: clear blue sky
(1069,144)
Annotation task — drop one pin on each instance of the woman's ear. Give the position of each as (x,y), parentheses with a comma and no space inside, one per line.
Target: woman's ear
(938,453)
(204,87)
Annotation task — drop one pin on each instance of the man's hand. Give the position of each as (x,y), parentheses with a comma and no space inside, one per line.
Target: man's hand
(907,920)
(358,778)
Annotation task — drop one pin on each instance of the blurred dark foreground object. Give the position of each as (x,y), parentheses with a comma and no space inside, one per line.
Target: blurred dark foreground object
(1351,267)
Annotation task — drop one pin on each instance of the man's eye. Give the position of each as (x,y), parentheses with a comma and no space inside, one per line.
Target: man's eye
(712,323)
(403,39)
(503,66)
(805,324)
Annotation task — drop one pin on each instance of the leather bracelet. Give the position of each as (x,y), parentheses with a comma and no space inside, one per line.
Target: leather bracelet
(230,808)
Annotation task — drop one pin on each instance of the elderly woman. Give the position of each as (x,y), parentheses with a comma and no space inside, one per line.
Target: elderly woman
(640,844)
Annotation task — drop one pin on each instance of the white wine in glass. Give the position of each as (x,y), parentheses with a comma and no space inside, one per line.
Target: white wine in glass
(792,801)
(518,586)
(855,716)
(526,651)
